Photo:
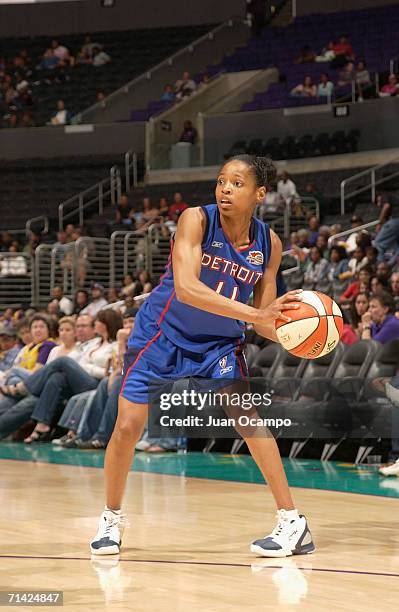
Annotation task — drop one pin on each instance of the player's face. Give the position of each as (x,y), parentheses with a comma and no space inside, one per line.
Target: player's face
(236,190)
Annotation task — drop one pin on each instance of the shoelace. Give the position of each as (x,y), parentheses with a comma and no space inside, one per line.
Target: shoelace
(281,525)
(113,521)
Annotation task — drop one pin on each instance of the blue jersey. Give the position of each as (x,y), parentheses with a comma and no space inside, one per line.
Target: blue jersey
(229,271)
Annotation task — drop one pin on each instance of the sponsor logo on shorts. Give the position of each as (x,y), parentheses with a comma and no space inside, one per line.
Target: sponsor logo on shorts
(217,245)
(223,368)
(255,257)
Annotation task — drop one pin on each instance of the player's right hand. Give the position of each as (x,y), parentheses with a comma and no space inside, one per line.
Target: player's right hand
(275,310)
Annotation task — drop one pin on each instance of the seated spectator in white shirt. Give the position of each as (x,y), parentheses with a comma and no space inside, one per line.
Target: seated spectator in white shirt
(185,86)
(98,301)
(325,88)
(61,52)
(327,54)
(351,243)
(13,264)
(100,58)
(286,187)
(363,80)
(65,305)
(61,116)
(89,46)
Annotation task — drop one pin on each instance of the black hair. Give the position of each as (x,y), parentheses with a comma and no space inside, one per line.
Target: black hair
(262,168)
(386,300)
(340,250)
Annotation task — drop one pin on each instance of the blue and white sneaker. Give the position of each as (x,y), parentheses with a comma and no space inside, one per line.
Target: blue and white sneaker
(291,536)
(109,535)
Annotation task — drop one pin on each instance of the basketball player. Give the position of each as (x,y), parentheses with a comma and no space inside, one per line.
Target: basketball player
(193,320)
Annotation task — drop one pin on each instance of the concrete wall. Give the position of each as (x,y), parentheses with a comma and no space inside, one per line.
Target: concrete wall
(306,7)
(48,142)
(88,15)
(376,120)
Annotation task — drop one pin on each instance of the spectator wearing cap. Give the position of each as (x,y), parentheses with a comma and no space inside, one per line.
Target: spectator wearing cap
(379,322)
(98,301)
(9,347)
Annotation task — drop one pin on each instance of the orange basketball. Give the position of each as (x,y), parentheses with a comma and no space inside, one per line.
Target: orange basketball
(315,328)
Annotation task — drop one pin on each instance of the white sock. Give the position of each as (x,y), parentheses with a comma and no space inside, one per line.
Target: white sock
(292,514)
(114,511)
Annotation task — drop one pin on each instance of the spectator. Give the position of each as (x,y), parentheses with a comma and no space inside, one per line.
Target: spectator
(353,331)
(377,285)
(383,272)
(13,264)
(325,88)
(327,54)
(27,120)
(62,52)
(189,133)
(371,255)
(168,93)
(9,347)
(78,377)
(81,301)
(69,231)
(65,305)
(336,272)
(394,282)
(315,270)
(347,75)
(351,243)
(100,58)
(177,207)
(360,285)
(343,52)
(124,211)
(100,96)
(163,208)
(68,342)
(358,261)
(391,88)
(129,285)
(33,356)
(61,116)
(322,244)
(89,46)
(306,55)
(98,300)
(96,422)
(313,233)
(306,89)
(379,322)
(49,61)
(286,188)
(112,295)
(363,81)
(185,86)
(144,284)
(256,11)
(388,236)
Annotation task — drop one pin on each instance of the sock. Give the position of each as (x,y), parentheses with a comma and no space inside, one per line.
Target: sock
(114,511)
(292,514)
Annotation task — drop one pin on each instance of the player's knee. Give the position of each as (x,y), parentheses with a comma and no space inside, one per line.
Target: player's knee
(129,429)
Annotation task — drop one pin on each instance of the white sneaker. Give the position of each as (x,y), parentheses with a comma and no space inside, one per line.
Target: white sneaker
(390,470)
(289,537)
(108,539)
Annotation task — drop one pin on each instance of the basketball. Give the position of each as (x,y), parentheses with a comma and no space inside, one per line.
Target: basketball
(315,328)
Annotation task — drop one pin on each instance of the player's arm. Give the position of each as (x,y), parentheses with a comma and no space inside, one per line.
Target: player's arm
(265,292)
(186,261)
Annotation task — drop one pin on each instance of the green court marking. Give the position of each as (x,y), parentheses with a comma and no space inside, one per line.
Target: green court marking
(307,473)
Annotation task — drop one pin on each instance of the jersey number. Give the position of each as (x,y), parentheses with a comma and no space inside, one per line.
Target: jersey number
(220,286)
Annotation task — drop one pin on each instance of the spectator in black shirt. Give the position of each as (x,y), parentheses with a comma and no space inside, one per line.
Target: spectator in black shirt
(189,133)
(124,211)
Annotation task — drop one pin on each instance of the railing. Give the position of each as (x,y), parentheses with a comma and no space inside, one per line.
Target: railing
(62,270)
(42,274)
(106,191)
(91,262)
(292,218)
(394,65)
(369,182)
(128,252)
(16,287)
(34,221)
(334,237)
(189,49)
(131,179)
